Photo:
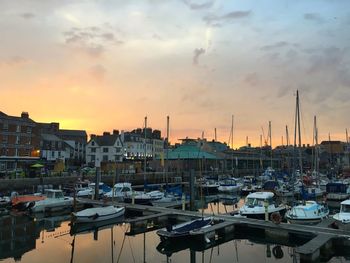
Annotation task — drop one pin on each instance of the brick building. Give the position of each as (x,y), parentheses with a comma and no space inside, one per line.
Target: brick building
(19,142)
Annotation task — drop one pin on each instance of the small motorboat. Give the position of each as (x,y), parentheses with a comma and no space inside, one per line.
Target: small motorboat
(120,190)
(342,219)
(23,202)
(96,214)
(230,185)
(183,230)
(55,200)
(256,203)
(309,212)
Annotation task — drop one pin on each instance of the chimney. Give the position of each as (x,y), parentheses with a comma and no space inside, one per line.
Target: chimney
(25,115)
(92,136)
(115,132)
(106,133)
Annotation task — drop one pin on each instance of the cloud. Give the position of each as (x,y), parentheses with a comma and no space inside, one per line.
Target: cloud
(275,46)
(214,19)
(92,40)
(195,6)
(15,61)
(252,79)
(313,17)
(27,15)
(196,54)
(98,72)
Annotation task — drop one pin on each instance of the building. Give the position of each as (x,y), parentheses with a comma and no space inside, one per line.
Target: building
(52,149)
(19,142)
(105,148)
(77,139)
(136,147)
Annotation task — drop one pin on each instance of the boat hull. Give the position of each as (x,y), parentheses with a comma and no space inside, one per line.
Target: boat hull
(97,217)
(261,216)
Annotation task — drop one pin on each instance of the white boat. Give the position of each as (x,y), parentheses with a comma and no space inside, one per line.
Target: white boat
(102,189)
(120,190)
(342,219)
(97,214)
(229,185)
(183,231)
(54,200)
(254,206)
(309,212)
(144,198)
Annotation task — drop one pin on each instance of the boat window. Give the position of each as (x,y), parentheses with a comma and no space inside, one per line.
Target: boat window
(50,194)
(118,189)
(250,201)
(59,195)
(126,189)
(345,208)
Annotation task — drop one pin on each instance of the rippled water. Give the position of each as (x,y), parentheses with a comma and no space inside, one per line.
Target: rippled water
(51,240)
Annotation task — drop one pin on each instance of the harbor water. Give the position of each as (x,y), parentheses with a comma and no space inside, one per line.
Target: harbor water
(53,240)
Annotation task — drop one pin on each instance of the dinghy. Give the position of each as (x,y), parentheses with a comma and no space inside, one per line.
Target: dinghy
(183,230)
(96,214)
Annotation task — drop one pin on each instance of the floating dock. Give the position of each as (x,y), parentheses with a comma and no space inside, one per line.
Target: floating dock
(313,242)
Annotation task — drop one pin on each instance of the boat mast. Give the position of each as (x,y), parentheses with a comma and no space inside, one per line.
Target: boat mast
(145,158)
(167,148)
(297,121)
(270,136)
(232,143)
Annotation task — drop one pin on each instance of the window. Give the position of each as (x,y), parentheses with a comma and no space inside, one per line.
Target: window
(92,143)
(4,139)
(52,154)
(93,150)
(105,150)
(93,158)
(29,130)
(5,126)
(105,158)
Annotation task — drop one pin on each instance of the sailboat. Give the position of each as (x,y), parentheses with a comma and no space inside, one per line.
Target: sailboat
(307,211)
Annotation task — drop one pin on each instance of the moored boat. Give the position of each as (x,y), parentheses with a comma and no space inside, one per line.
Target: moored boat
(97,214)
(183,230)
(55,200)
(309,212)
(257,202)
(342,219)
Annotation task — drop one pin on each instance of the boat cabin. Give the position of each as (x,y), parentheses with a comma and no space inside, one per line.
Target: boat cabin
(259,199)
(122,187)
(345,206)
(54,194)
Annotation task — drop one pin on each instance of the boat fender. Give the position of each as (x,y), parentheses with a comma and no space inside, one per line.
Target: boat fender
(95,216)
(277,252)
(276,218)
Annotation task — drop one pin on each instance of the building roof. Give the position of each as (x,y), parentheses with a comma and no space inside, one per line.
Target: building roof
(50,137)
(189,152)
(75,133)
(105,140)
(17,118)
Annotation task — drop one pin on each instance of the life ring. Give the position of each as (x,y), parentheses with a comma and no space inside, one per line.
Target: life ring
(277,252)
(276,218)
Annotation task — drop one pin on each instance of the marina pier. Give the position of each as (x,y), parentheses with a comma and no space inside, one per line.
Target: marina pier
(313,242)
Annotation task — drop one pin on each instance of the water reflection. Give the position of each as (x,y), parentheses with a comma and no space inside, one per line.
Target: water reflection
(55,240)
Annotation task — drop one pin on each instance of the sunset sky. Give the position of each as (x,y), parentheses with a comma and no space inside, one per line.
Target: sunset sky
(103,65)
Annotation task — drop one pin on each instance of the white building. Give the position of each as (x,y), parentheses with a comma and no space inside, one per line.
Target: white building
(134,146)
(53,148)
(105,148)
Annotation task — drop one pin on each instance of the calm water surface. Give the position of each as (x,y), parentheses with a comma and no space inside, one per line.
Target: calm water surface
(51,240)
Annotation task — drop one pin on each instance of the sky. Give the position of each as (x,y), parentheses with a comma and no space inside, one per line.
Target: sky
(104,65)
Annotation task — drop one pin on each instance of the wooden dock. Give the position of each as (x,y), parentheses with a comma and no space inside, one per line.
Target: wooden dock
(312,242)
